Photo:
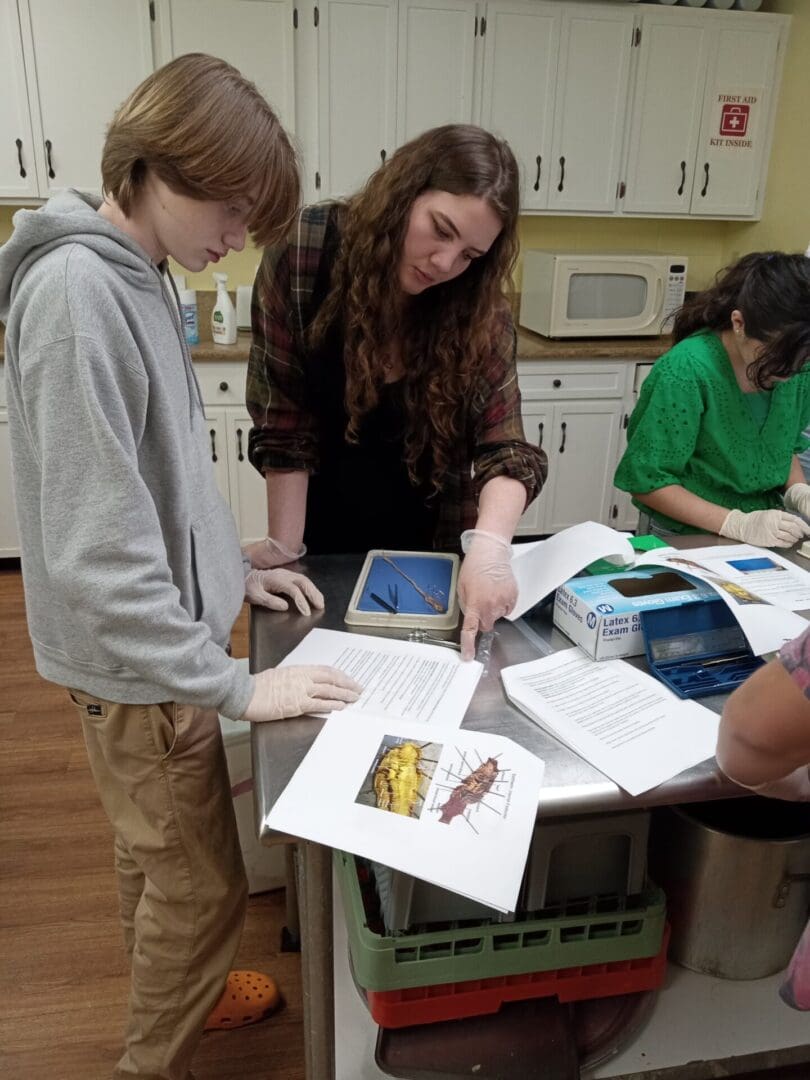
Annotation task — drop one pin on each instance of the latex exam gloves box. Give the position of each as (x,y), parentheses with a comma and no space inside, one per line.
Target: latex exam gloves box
(602,613)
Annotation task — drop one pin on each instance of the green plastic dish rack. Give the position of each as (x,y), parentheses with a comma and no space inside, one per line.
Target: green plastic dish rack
(596,930)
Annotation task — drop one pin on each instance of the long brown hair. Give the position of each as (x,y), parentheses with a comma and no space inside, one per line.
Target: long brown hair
(208,133)
(446,331)
(771,290)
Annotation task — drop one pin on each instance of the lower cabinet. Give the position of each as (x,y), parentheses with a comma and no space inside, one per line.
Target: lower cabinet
(9,537)
(576,411)
(229,424)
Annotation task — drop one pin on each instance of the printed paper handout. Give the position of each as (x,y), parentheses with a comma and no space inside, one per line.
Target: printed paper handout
(401,680)
(763,590)
(540,567)
(621,720)
(455,808)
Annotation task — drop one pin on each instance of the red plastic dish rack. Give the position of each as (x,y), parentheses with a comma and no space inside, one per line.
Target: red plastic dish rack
(479,997)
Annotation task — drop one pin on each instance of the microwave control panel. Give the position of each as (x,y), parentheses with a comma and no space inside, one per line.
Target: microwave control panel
(674,287)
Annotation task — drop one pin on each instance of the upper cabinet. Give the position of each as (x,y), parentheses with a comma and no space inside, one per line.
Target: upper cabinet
(18,170)
(256,36)
(702,114)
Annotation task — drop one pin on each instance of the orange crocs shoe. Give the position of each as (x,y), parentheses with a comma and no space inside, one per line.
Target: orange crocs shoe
(247,998)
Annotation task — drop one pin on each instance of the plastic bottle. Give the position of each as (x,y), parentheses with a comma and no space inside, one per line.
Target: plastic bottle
(188,313)
(223,317)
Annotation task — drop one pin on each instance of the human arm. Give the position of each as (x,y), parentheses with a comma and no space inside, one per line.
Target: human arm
(286,517)
(764,737)
(487,588)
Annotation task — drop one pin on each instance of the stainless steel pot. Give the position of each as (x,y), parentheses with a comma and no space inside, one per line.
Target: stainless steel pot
(736,873)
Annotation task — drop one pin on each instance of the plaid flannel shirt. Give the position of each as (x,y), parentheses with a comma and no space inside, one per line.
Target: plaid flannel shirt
(285,434)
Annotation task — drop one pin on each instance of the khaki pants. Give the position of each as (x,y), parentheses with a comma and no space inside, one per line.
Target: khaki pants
(163,780)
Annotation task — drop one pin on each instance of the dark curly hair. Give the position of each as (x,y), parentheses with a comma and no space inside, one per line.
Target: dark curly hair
(771,290)
(446,331)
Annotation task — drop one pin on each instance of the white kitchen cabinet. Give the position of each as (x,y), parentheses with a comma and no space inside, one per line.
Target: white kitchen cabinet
(574,410)
(435,49)
(521,45)
(590,104)
(357,84)
(555,84)
(18,171)
(222,384)
(702,113)
(623,515)
(81,59)
(256,36)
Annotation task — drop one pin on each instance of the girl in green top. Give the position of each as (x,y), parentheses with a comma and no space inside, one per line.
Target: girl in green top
(712,442)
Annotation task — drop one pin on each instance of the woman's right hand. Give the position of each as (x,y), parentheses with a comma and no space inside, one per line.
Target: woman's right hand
(765,528)
(267,554)
(284,692)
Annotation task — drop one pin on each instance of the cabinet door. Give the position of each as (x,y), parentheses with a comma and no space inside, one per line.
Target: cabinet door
(87,58)
(734,136)
(592,83)
(218,445)
(18,173)
(9,537)
(256,36)
(581,463)
(357,58)
(247,487)
(623,515)
(667,102)
(537,421)
(435,66)
(520,68)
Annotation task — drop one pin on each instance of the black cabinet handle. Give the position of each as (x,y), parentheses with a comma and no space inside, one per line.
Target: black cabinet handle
(683,177)
(223,386)
(48,148)
(705,187)
(563,426)
(557,383)
(383,156)
(539,160)
(562,174)
(213,435)
(540,435)
(239,455)
(18,143)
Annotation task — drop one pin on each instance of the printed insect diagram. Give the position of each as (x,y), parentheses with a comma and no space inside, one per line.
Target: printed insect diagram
(455,808)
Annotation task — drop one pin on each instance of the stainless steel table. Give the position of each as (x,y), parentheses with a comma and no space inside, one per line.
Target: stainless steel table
(570,784)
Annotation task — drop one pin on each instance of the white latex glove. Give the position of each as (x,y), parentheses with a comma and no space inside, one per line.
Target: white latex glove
(487,589)
(269,553)
(797,497)
(795,787)
(765,528)
(293,691)
(263,586)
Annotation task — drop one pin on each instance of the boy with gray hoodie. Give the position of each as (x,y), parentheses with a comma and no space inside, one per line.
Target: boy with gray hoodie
(131,564)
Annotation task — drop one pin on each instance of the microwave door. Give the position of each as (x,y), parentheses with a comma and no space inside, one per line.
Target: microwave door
(611,298)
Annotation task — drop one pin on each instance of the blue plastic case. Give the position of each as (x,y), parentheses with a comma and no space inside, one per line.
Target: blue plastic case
(697,649)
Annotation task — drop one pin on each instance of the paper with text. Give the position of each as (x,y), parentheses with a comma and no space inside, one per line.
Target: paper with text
(401,680)
(621,720)
(763,590)
(540,567)
(455,808)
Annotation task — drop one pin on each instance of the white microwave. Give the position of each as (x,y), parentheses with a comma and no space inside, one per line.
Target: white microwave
(573,295)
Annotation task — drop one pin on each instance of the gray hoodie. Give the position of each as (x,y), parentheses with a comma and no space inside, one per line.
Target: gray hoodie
(131,562)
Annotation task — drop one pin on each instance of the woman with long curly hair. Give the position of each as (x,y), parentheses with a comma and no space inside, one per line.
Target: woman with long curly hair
(382,380)
(712,442)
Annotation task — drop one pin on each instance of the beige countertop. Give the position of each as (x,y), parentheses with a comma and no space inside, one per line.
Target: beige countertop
(530,347)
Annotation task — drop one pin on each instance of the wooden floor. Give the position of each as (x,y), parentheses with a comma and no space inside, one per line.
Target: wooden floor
(63,972)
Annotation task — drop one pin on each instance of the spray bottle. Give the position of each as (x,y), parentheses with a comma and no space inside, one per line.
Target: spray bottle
(223,317)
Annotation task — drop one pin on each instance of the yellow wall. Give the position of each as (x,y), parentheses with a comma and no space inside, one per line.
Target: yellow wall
(708,244)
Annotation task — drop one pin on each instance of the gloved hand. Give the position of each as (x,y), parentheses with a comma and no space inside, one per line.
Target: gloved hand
(797,497)
(262,588)
(268,553)
(795,787)
(765,528)
(292,691)
(487,589)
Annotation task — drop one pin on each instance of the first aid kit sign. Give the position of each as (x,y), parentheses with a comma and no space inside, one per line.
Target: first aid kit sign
(734,120)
